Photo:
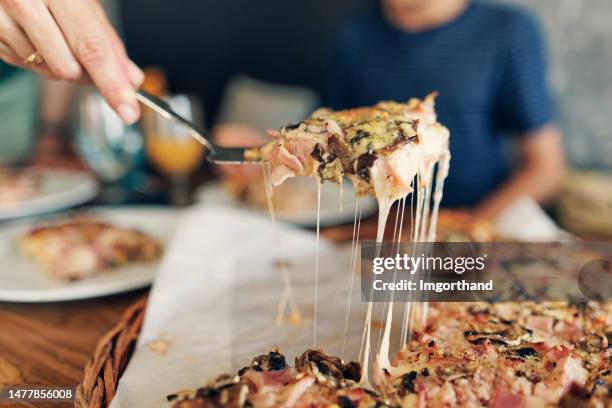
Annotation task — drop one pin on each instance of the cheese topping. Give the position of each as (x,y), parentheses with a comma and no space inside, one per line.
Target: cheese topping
(380,148)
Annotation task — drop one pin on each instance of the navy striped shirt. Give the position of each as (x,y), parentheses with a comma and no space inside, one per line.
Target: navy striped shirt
(488,65)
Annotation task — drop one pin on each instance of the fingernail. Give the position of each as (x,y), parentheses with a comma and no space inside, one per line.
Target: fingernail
(127,113)
(135,74)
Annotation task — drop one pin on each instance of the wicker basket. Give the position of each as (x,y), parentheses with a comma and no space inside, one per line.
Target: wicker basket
(112,353)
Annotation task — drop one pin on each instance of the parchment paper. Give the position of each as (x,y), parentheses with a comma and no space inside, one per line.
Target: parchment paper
(214,301)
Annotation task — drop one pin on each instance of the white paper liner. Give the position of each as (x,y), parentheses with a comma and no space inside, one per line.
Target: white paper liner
(214,302)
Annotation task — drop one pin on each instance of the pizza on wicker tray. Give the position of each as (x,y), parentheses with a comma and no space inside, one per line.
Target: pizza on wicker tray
(466,354)
(469,355)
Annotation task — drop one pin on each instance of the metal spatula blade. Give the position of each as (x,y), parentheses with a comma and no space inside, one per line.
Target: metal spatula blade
(214,153)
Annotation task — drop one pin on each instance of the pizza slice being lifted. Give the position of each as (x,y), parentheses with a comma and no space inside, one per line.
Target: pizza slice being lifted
(379,148)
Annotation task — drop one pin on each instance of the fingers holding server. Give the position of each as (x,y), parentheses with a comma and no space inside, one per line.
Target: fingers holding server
(70,40)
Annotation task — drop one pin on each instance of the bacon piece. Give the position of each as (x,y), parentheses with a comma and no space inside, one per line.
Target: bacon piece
(284,164)
(505,399)
(543,324)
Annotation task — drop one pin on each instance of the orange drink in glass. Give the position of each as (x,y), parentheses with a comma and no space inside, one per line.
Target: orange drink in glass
(170,147)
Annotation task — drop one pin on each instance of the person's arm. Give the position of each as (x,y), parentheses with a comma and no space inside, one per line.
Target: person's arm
(71,40)
(525,110)
(539,174)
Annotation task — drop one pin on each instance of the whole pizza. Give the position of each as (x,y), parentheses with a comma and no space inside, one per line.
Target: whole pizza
(520,354)
(468,355)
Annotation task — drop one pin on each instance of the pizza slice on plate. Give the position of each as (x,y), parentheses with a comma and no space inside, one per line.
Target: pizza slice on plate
(83,246)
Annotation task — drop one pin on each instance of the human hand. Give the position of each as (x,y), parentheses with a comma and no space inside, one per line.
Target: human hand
(71,40)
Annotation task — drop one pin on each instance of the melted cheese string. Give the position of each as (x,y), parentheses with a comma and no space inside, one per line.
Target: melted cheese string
(353,264)
(408,304)
(443,167)
(287,298)
(382,358)
(416,222)
(425,214)
(427,170)
(425,231)
(386,303)
(419,208)
(384,206)
(316,276)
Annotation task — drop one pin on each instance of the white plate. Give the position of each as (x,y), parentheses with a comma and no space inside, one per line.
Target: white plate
(23,281)
(59,189)
(332,213)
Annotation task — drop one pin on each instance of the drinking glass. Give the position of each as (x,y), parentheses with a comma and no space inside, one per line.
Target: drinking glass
(171,148)
(110,148)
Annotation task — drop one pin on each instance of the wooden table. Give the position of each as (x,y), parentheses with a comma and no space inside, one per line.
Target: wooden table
(48,344)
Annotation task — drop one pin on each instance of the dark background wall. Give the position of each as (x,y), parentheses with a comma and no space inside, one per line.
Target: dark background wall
(202,43)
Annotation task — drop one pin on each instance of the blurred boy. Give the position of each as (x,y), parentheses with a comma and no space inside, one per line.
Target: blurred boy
(487,61)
